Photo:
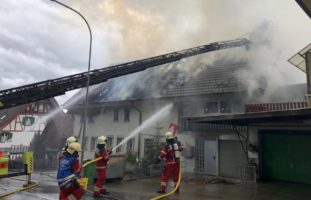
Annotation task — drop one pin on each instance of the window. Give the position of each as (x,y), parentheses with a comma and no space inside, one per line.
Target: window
(28,121)
(110,141)
(148,144)
(93,143)
(85,144)
(130,145)
(119,149)
(6,137)
(211,107)
(225,107)
(126,114)
(115,115)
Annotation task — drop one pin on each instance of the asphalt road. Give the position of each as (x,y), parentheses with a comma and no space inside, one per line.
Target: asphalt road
(144,189)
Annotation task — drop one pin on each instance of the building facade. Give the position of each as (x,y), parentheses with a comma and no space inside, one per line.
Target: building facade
(213,91)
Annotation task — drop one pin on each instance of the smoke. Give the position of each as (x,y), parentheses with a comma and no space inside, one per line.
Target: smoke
(126,31)
(265,74)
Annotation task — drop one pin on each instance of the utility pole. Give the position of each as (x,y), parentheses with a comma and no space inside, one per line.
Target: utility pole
(88,77)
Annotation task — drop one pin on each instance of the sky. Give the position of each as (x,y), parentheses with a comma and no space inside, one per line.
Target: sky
(41,40)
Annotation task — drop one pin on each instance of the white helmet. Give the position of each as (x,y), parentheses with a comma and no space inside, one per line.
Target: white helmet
(74,146)
(102,140)
(169,135)
(70,140)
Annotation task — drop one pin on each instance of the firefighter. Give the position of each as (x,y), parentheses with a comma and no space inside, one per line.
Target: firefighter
(69,172)
(101,166)
(69,140)
(171,154)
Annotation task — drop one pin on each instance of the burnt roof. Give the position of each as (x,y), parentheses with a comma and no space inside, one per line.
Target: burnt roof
(167,81)
(210,80)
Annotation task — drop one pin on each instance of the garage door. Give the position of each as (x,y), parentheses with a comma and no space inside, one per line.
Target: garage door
(231,158)
(286,156)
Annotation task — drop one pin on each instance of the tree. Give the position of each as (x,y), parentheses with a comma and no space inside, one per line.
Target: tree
(153,147)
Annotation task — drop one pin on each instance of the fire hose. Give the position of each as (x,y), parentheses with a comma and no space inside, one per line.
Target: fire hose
(91,161)
(156,198)
(34,184)
(174,190)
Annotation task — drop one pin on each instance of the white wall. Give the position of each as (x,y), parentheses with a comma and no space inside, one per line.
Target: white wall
(104,124)
(22,135)
(149,108)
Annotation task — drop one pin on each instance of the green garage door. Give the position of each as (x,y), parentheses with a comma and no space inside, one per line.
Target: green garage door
(286,156)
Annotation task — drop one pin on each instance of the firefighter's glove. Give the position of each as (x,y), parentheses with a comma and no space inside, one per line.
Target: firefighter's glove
(109,151)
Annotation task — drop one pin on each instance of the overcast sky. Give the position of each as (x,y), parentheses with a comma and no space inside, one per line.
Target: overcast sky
(41,40)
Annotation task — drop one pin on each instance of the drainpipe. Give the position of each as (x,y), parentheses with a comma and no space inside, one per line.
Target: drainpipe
(308,73)
(140,121)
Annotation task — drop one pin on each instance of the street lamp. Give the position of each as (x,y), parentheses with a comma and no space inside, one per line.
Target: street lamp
(88,76)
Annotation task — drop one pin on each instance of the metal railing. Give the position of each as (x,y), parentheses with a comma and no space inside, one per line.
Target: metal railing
(264,107)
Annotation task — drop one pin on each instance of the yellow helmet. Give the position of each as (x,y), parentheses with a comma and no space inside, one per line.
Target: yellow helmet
(70,140)
(74,146)
(169,135)
(102,140)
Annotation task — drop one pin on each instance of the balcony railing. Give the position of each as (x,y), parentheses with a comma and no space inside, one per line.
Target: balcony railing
(264,107)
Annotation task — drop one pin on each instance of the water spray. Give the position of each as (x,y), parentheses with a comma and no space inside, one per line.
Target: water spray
(153,119)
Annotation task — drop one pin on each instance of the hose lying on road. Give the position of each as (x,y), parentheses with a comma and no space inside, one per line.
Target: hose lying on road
(34,184)
(174,190)
(156,198)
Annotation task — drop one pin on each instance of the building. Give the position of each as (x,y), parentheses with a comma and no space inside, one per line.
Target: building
(268,142)
(40,127)
(200,96)
(19,124)
(119,106)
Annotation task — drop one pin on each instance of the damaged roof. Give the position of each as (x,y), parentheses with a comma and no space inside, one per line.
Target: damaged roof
(209,80)
(166,81)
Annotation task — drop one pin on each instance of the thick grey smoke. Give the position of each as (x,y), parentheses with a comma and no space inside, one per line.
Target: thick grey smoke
(266,74)
(152,28)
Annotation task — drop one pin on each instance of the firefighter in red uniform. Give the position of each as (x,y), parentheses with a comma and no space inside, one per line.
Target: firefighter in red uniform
(68,173)
(101,166)
(171,154)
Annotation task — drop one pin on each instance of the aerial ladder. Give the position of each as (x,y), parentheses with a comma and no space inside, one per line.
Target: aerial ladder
(59,86)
